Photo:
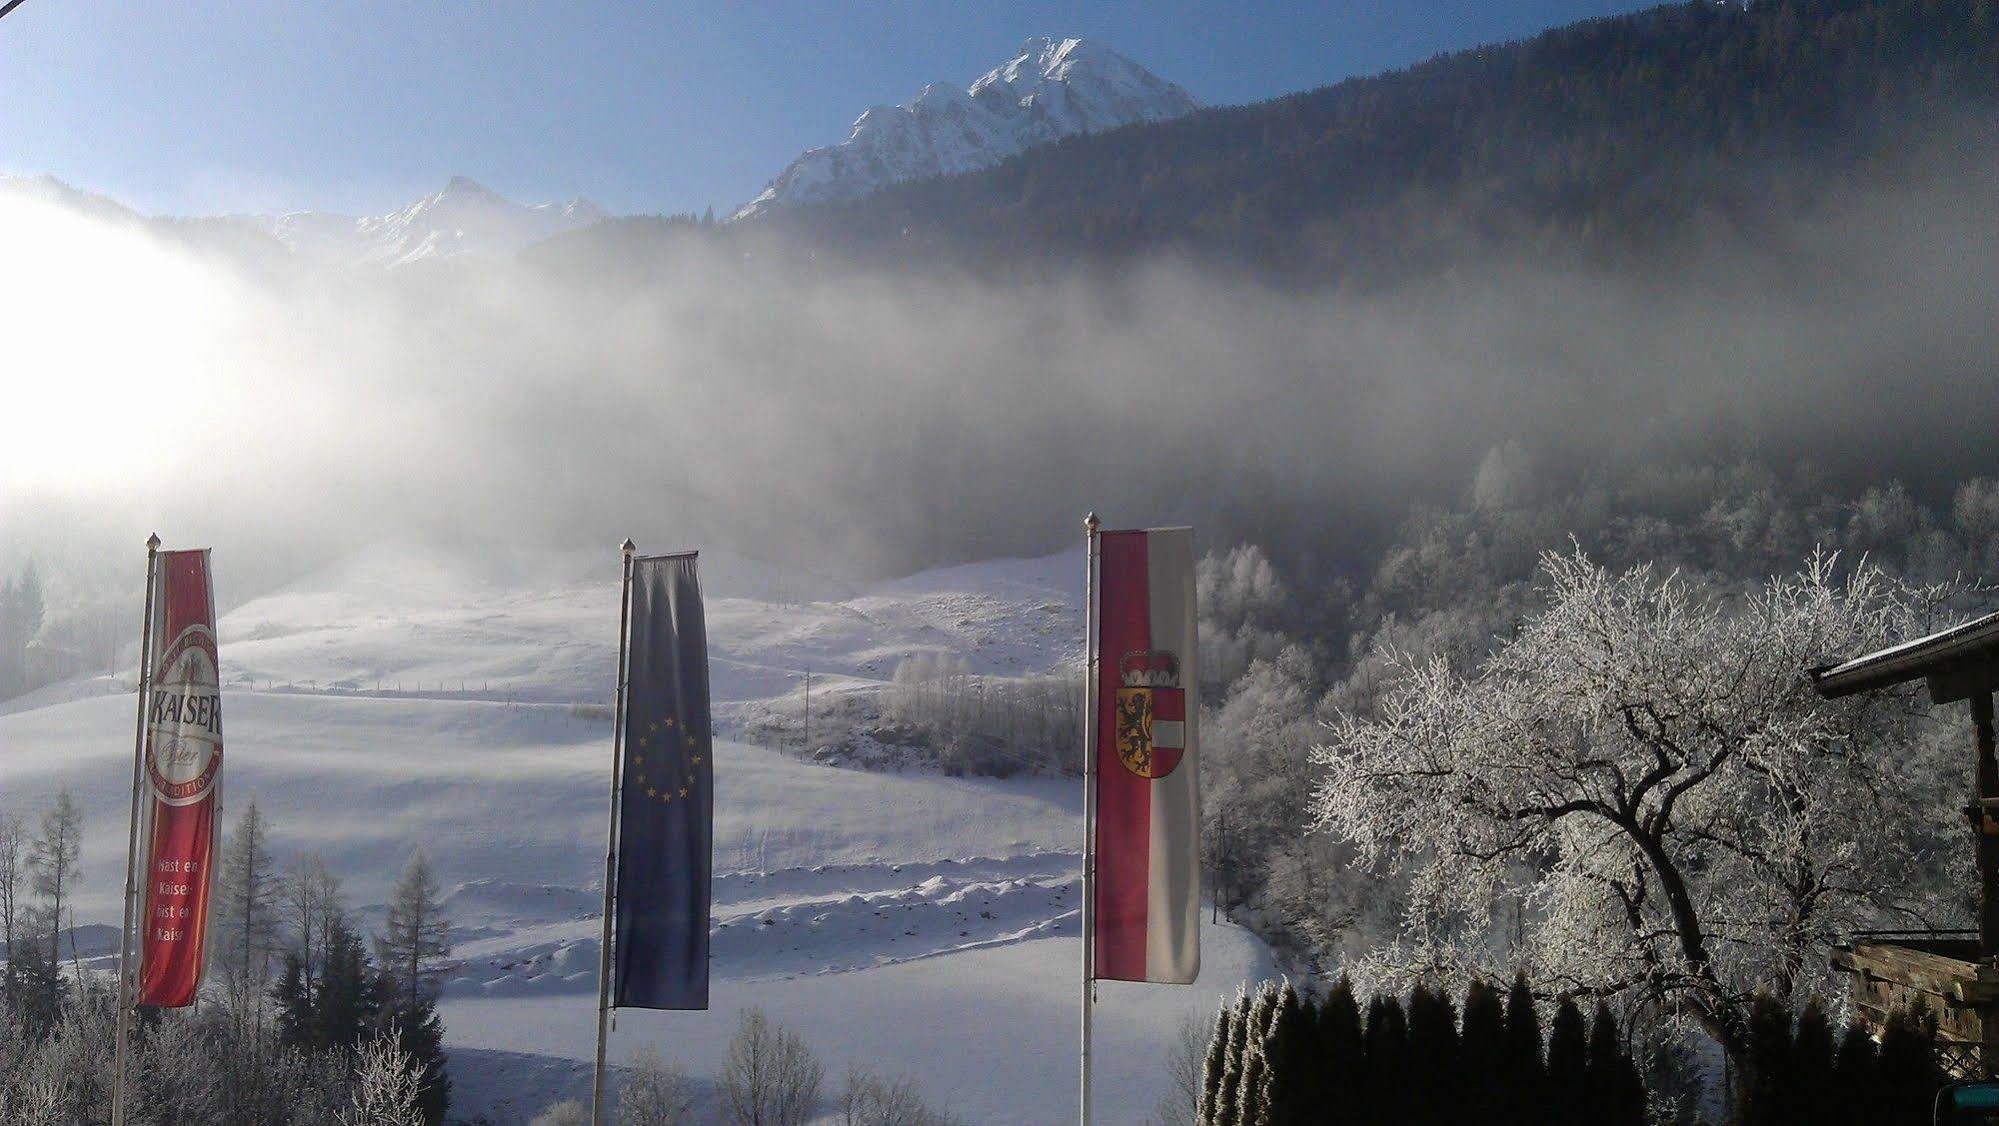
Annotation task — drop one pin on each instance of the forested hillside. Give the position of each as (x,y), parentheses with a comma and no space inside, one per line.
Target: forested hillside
(1600,140)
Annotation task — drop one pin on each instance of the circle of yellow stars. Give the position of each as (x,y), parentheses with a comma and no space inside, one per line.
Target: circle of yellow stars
(660,786)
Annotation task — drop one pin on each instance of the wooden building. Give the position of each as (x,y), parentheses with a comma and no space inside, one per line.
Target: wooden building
(1954,974)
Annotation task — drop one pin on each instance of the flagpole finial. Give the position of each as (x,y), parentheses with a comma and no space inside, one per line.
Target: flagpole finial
(628,547)
(1090,521)
(153,542)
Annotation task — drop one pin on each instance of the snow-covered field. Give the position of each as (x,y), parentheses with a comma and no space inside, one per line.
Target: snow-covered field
(912,922)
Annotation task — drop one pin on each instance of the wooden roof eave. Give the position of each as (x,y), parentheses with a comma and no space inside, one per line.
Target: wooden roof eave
(1957,662)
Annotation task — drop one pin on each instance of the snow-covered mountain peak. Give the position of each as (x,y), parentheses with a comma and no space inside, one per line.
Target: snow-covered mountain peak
(1050,89)
(466,217)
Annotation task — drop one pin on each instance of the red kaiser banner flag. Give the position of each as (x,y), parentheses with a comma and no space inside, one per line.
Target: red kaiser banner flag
(184,778)
(1146,918)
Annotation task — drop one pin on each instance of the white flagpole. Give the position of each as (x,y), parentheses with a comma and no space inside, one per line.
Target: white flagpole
(611,841)
(132,839)
(1089,799)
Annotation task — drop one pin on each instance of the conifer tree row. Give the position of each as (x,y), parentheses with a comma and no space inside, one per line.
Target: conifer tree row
(1280,1058)
(1277,1057)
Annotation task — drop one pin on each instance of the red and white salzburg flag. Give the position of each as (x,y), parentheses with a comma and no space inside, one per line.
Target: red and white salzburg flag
(1146,917)
(184,777)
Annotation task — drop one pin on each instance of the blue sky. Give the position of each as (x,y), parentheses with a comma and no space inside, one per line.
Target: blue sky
(361,105)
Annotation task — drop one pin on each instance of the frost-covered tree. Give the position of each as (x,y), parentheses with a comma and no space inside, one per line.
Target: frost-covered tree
(1247,1097)
(419,1032)
(1245,606)
(68,1077)
(770,1077)
(869,1099)
(1646,765)
(652,1092)
(1284,1092)
(178,1075)
(1214,1068)
(385,1088)
(1234,1054)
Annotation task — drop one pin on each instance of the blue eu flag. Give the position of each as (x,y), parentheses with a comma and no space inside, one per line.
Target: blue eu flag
(666,810)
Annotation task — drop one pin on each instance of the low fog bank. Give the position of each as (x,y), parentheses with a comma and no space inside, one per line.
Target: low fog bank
(860,423)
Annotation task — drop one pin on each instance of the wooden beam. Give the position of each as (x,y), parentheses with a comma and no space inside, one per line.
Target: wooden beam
(1962,682)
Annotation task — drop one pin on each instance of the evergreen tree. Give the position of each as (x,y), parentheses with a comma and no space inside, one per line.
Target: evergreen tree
(1908,1071)
(1616,1093)
(1338,1078)
(1568,1065)
(349,999)
(1482,1051)
(1249,1107)
(1856,1077)
(1432,1076)
(1523,1072)
(1386,1044)
(1225,1094)
(416,935)
(292,994)
(1287,1059)
(1812,1073)
(41,989)
(1215,1068)
(1769,1086)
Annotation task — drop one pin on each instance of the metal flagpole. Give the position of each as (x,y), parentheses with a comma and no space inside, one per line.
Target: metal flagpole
(1089,797)
(132,837)
(611,841)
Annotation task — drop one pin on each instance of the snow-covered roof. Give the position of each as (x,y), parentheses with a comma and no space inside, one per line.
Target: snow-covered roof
(1974,640)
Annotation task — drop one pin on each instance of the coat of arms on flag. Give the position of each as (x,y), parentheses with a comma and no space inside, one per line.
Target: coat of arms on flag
(1151,713)
(1145,773)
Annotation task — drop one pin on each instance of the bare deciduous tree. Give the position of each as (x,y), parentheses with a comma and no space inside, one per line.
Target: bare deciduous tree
(1186,1064)
(652,1092)
(13,846)
(52,857)
(770,1077)
(310,896)
(243,927)
(416,935)
(871,1100)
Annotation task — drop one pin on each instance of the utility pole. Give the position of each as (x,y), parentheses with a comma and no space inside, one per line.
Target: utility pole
(808,711)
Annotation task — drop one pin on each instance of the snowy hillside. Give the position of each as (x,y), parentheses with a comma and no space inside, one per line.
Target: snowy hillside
(465,218)
(913,922)
(1052,89)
